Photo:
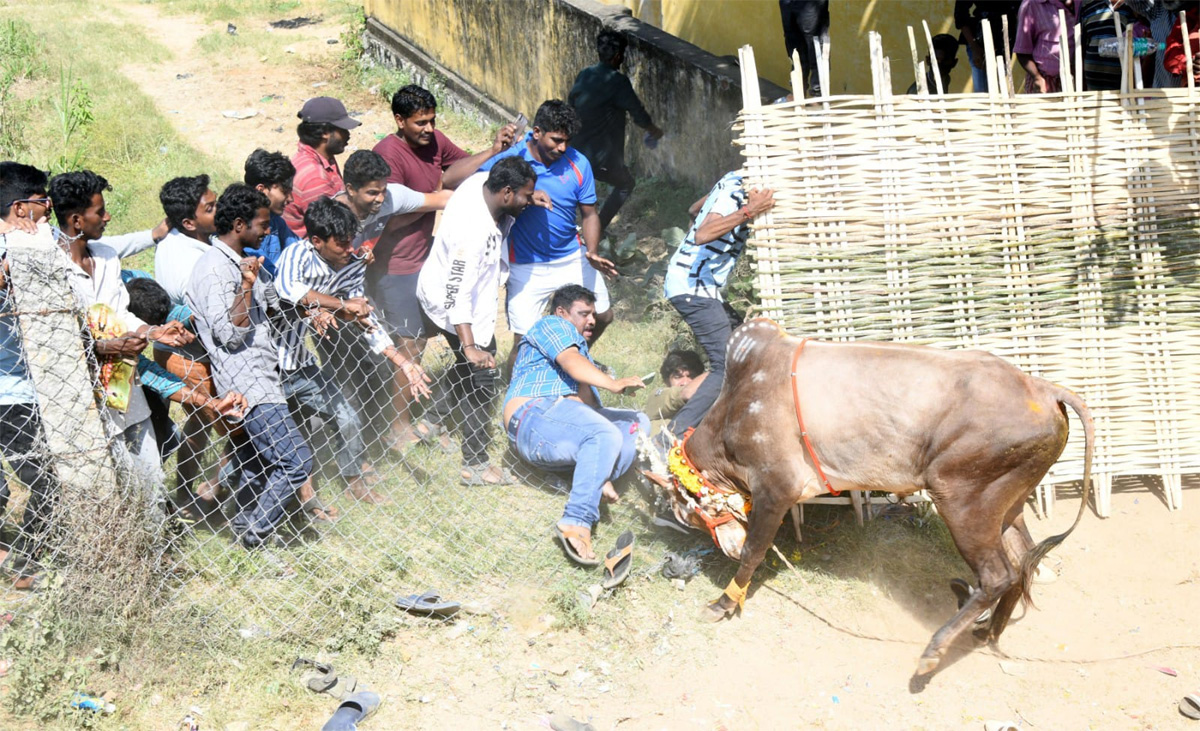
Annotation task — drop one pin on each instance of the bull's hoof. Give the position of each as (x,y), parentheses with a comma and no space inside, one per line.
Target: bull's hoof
(927,664)
(714,612)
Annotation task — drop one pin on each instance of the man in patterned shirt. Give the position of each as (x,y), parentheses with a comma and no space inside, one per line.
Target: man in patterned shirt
(323,279)
(555,421)
(698,271)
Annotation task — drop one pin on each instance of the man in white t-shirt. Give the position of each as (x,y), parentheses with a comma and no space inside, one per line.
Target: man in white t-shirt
(458,287)
(375,203)
(190,206)
(94,273)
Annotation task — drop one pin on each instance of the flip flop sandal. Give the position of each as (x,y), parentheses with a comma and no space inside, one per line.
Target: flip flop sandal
(321,678)
(429,604)
(618,562)
(574,531)
(475,476)
(353,711)
(312,506)
(371,478)
(1190,706)
(433,436)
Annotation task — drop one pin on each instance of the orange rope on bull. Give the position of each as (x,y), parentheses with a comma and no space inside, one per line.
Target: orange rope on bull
(800,419)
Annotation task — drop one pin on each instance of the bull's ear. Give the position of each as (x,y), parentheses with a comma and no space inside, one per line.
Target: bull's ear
(661,480)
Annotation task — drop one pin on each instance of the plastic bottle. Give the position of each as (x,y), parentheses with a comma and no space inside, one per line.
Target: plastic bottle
(1111,47)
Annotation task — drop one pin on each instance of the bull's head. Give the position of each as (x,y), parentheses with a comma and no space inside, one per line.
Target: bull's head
(730,536)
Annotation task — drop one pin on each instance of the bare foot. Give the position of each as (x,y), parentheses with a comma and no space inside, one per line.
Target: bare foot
(608,494)
(24,583)
(318,511)
(358,489)
(493,475)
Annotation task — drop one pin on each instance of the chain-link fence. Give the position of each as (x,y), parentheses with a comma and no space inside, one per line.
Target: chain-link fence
(384,508)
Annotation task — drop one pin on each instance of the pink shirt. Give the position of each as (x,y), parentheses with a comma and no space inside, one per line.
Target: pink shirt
(1038,31)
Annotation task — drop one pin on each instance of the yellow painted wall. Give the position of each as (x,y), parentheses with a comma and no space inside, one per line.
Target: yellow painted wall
(721,26)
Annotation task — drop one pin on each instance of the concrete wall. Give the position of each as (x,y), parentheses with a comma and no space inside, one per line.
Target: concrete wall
(722,27)
(509,56)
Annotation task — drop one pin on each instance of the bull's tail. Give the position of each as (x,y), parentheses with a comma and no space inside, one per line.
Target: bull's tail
(1030,563)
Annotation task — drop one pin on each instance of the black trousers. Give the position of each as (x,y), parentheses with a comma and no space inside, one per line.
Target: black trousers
(804,20)
(622,182)
(21,444)
(712,322)
(473,391)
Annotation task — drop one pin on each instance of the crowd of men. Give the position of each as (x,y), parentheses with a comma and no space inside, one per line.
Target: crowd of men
(309,290)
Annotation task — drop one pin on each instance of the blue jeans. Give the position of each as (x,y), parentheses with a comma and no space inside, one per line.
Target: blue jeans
(309,392)
(979,77)
(599,445)
(274,462)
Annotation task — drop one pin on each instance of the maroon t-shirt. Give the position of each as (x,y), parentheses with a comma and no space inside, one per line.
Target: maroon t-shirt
(403,250)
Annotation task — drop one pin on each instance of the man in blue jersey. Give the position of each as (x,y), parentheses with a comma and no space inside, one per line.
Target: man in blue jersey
(544,247)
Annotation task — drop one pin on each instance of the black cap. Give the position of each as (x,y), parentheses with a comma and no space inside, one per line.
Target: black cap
(327,110)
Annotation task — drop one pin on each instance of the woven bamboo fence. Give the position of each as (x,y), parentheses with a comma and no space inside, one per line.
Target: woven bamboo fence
(1058,231)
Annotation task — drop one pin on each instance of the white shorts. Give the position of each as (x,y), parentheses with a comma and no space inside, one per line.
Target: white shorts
(530,287)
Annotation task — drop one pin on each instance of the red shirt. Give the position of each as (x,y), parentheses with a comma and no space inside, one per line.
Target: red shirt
(403,250)
(315,177)
(1174,57)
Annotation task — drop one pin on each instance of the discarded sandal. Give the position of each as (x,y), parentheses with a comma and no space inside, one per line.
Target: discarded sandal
(618,562)
(429,604)
(353,711)
(567,532)
(319,677)
(1190,706)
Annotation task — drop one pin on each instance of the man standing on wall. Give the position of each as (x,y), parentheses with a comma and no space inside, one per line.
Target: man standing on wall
(544,251)
(602,95)
(803,22)
(324,132)
(424,160)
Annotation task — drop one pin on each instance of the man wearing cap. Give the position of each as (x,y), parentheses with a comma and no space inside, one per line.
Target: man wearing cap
(324,132)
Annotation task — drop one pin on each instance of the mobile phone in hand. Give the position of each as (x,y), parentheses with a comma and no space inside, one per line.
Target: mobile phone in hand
(522,122)
(646,379)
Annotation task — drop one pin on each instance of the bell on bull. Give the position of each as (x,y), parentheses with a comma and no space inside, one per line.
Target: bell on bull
(797,419)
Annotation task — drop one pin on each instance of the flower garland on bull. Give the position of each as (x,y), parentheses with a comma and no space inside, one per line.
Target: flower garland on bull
(714,505)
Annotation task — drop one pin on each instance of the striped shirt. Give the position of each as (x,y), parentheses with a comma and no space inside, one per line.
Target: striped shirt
(536,373)
(703,270)
(300,270)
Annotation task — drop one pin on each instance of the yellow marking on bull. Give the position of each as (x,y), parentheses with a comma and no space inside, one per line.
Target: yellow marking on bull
(1035,407)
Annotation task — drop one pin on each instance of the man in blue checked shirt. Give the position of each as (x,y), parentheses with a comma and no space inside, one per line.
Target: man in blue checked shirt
(697,273)
(555,421)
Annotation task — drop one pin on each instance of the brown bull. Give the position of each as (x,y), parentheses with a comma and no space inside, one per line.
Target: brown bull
(973,431)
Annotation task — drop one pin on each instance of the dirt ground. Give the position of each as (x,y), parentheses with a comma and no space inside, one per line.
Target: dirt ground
(1095,653)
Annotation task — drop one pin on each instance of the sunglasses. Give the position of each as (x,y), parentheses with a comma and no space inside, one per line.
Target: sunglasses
(40,201)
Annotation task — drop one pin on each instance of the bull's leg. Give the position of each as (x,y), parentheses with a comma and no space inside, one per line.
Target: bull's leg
(995,578)
(1017,543)
(765,519)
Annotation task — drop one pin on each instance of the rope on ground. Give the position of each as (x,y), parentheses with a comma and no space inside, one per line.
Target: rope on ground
(984,650)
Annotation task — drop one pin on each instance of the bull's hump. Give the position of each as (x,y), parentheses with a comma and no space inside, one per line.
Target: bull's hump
(747,340)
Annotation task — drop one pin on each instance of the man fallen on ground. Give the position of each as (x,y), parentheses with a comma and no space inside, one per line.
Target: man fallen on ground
(555,420)
(232,307)
(190,206)
(376,203)
(603,95)
(272,174)
(457,289)
(682,372)
(23,202)
(94,272)
(324,132)
(424,160)
(699,270)
(323,279)
(545,250)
